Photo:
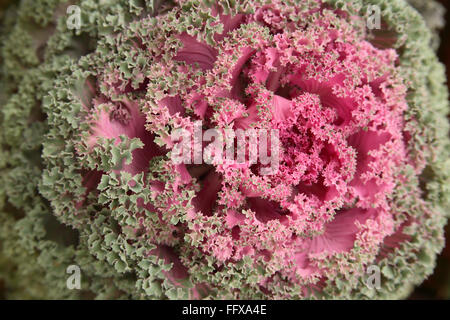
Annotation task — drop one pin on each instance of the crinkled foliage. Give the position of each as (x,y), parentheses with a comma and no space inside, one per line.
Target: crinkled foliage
(86,170)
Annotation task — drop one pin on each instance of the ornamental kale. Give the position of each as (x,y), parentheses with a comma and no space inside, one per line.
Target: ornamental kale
(359,151)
